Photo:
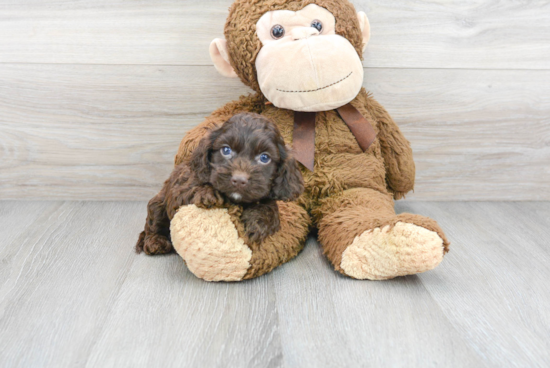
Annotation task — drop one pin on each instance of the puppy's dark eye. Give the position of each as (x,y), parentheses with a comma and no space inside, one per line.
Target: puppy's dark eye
(226,151)
(264,158)
(317,25)
(277,31)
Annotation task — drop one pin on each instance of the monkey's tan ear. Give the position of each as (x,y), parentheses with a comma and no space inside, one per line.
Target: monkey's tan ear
(220,57)
(365,28)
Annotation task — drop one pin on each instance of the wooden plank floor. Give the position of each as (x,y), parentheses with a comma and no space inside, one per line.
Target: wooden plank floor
(73,294)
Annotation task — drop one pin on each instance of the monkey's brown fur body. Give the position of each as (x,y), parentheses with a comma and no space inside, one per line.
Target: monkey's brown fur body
(348,197)
(349,191)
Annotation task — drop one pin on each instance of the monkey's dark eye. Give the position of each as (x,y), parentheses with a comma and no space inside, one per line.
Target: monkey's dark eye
(277,31)
(264,158)
(226,151)
(317,25)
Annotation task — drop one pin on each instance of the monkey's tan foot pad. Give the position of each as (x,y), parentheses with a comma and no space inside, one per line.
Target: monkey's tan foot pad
(388,252)
(209,244)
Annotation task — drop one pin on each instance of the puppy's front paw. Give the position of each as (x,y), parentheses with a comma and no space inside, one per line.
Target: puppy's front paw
(257,231)
(260,221)
(140,243)
(207,197)
(153,244)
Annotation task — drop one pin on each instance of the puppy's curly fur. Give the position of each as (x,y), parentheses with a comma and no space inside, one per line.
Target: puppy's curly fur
(244,161)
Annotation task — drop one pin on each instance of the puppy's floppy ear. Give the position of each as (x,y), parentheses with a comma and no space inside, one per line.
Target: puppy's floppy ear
(288,183)
(200,160)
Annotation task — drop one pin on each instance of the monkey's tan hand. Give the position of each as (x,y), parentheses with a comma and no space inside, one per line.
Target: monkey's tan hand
(209,243)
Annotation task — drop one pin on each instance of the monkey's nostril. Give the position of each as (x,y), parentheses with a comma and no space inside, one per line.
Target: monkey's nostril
(300,33)
(239,181)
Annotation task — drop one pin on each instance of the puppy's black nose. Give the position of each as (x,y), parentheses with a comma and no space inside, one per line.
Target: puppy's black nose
(239,180)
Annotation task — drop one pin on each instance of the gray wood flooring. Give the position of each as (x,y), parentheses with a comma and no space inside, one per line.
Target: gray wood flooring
(73,294)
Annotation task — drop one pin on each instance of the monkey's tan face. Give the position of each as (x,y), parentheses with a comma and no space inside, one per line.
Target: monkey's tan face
(303,65)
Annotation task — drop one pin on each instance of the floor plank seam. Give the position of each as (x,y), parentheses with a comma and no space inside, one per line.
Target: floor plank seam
(471,347)
(100,333)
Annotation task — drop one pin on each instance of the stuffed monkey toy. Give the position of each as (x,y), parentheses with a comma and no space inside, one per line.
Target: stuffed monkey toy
(303,60)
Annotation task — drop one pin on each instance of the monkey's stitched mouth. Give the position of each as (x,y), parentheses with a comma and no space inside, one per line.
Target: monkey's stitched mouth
(318,89)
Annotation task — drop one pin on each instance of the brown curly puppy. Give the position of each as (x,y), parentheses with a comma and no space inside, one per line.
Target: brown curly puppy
(245,162)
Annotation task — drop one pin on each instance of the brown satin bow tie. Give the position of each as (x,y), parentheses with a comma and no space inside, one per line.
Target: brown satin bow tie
(304,132)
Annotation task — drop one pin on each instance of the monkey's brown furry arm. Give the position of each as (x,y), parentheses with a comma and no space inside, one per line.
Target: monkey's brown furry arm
(396,149)
(251,103)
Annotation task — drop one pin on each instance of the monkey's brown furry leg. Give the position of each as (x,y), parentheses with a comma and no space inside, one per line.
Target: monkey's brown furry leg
(364,238)
(155,239)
